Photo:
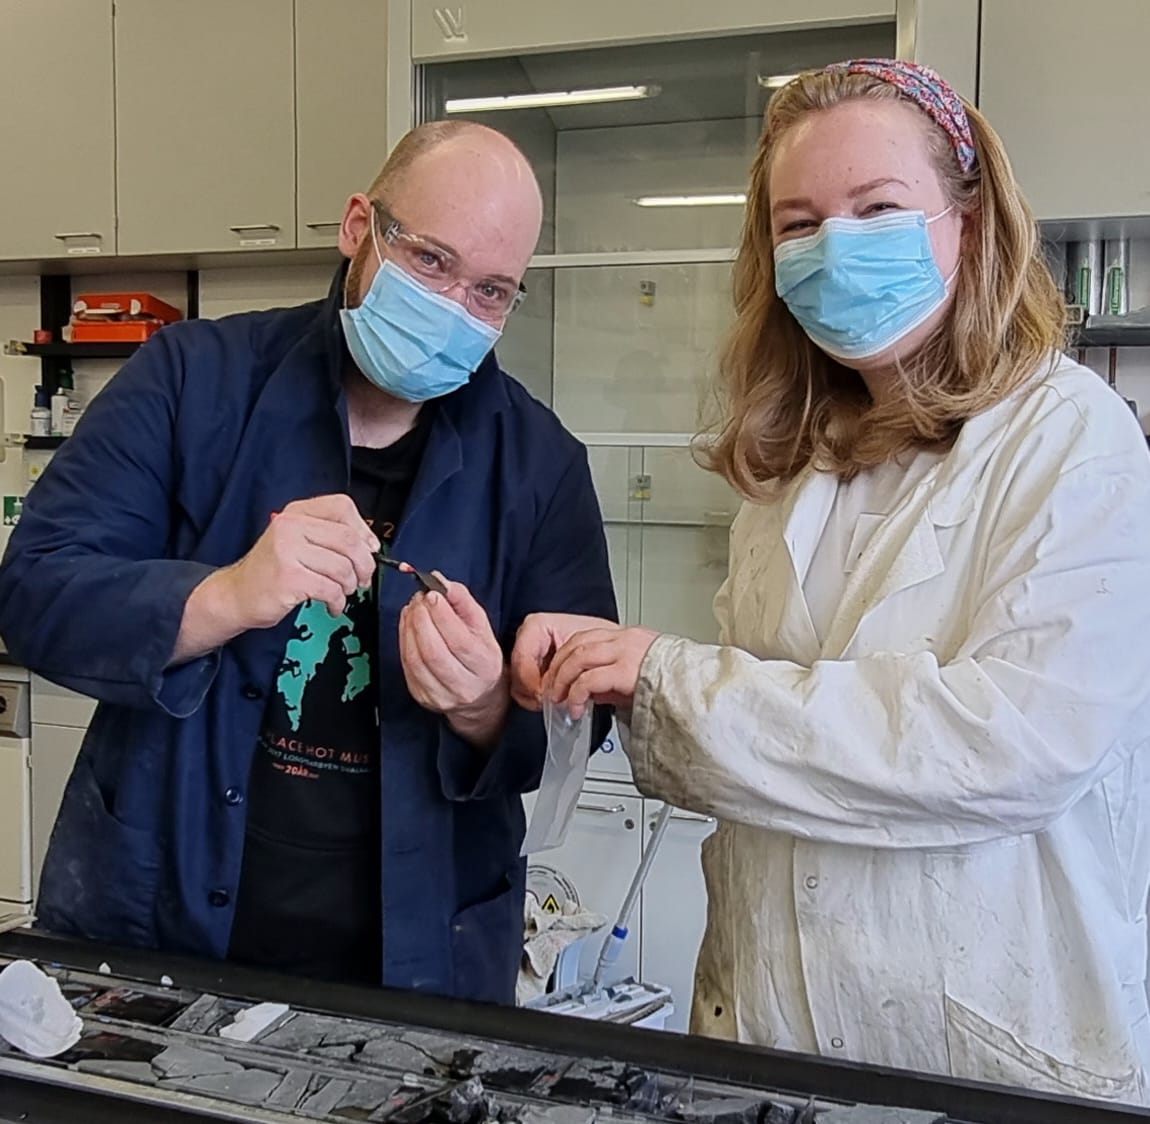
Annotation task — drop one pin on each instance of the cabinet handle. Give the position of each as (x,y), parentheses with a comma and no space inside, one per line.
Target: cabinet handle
(602,809)
(77,234)
(253,226)
(319,225)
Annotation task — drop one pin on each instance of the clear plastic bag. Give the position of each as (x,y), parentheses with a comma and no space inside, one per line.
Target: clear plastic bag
(564,770)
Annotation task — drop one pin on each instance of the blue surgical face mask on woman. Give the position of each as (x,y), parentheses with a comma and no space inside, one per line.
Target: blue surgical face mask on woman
(858,286)
(410,342)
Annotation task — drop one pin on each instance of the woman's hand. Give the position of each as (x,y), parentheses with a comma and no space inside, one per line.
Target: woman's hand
(540,635)
(598,666)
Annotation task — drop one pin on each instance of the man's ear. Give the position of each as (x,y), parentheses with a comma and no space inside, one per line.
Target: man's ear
(356,224)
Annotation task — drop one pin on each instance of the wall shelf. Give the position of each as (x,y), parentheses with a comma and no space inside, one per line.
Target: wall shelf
(1132,336)
(72,350)
(56,358)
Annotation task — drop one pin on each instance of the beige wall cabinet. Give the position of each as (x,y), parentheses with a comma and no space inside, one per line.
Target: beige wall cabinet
(56,129)
(1067,88)
(205,125)
(482,27)
(341,108)
(943,34)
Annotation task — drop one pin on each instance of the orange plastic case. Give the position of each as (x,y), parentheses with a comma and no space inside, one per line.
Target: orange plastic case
(123,306)
(119,317)
(114,331)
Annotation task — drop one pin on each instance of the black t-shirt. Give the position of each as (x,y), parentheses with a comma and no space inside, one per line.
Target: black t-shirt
(309,895)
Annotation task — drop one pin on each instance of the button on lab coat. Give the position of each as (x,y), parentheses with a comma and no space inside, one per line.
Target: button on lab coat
(934,849)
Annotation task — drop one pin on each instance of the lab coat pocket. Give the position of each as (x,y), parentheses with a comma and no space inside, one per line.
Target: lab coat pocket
(487,945)
(983,1051)
(713,1012)
(100,875)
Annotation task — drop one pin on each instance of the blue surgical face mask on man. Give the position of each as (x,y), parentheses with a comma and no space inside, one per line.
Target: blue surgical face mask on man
(858,286)
(410,342)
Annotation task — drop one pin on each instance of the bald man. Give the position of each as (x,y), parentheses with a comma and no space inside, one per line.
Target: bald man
(301,760)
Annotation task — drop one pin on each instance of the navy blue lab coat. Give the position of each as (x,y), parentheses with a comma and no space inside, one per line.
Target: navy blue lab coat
(174,471)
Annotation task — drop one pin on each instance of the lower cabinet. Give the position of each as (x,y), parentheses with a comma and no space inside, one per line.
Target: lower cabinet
(599,858)
(15,874)
(54,752)
(59,720)
(674,908)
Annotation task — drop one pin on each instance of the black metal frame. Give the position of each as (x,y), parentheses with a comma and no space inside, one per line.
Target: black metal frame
(799,1074)
(32,1102)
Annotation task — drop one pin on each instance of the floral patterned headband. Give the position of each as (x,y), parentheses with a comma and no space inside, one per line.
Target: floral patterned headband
(929,91)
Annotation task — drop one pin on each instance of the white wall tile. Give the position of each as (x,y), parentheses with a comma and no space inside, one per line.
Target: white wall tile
(229,290)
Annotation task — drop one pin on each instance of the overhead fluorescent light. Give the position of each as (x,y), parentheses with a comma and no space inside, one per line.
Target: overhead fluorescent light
(549,98)
(729,199)
(775,81)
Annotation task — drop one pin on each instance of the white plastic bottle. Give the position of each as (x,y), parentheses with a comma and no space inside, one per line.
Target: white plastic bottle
(59,405)
(72,413)
(40,420)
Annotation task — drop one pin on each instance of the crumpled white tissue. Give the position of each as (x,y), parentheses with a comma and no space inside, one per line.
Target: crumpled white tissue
(34,1015)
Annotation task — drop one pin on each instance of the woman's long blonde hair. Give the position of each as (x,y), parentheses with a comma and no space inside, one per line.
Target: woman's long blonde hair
(784,404)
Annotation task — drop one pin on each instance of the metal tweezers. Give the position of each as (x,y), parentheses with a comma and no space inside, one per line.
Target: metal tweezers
(429,582)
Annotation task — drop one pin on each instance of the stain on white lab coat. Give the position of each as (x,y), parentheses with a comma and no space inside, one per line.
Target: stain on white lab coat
(934,848)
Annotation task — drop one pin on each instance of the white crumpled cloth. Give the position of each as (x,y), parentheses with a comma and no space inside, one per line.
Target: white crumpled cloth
(34,1015)
(545,936)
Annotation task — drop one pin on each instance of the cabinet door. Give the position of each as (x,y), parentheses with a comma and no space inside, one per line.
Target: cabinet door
(54,752)
(612,471)
(53,705)
(341,108)
(205,125)
(675,908)
(600,856)
(482,27)
(943,34)
(56,128)
(15,865)
(610,762)
(1068,91)
(686,532)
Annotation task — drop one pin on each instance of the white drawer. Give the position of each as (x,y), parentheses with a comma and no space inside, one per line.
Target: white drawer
(57,706)
(609,762)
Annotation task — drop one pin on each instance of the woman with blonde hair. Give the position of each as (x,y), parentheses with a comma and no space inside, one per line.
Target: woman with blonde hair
(925,728)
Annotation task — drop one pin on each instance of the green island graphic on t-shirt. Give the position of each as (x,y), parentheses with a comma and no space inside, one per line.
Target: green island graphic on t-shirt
(306,652)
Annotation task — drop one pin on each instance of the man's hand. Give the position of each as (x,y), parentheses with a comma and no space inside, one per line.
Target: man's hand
(314,549)
(319,550)
(600,666)
(453,664)
(539,637)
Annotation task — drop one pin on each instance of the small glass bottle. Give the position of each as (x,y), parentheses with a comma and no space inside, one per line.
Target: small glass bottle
(40,419)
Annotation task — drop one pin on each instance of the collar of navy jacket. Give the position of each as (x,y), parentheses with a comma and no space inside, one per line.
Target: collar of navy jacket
(211,427)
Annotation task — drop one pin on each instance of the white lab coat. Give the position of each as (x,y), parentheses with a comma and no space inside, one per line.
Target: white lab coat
(934,840)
